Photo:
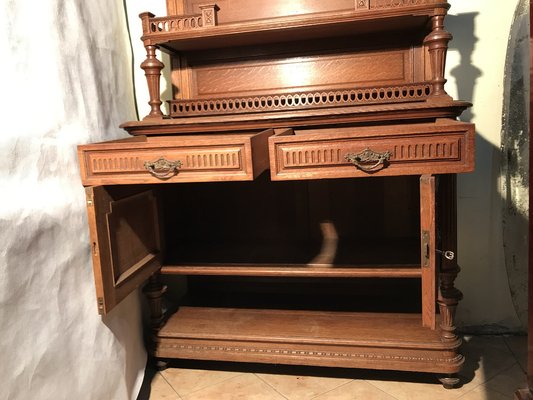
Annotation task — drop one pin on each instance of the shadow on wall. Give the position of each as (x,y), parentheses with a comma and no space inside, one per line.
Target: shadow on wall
(465,74)
(500,174)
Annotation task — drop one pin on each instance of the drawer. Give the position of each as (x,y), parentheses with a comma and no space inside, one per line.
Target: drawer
(411,149)
(199,158)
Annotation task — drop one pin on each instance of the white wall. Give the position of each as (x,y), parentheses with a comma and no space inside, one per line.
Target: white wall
(66,80)
(480,62)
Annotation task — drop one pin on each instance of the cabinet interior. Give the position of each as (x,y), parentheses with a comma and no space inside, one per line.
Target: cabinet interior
(329,223)
(289,234)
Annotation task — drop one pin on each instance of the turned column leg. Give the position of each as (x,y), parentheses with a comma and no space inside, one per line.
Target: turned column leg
(437,42)
(152,69)
(153,292)
(448,295)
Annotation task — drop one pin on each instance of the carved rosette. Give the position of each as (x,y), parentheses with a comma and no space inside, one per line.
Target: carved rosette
(362,4)
(209,14)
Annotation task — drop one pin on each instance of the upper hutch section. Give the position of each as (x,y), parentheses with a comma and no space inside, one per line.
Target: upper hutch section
(277,63)
(199,24)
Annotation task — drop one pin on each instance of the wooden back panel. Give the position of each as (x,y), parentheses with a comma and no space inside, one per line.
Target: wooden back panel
(240,10)
(309,66)
(288,222)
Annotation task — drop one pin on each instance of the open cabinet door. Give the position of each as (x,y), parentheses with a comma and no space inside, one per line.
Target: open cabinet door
(428,247)
(125,240)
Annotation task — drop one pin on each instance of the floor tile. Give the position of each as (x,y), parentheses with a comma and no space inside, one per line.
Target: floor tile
(419,391)
(484,393)
(355,390)
(161,390)
(185,381)
(301,387)
(508,381)
(242,387)
(518,346)
(486,356)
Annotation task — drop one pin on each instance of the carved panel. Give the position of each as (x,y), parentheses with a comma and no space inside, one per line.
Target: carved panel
(131,237)
(194,160)
(410,150)
(321,153)
(377,4)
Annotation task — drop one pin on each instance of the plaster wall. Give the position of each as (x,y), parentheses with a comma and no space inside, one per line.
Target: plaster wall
(476,73)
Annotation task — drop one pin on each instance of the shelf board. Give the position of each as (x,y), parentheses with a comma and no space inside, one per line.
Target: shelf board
(295,270)
(299,326)
(342,339)
(360,114)
(290,28)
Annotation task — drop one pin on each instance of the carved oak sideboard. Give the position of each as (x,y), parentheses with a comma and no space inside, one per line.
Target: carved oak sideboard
(252,186)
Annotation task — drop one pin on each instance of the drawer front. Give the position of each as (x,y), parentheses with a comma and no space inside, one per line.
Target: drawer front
(178,160)
(360,154)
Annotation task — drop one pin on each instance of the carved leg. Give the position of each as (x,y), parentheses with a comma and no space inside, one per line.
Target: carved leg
(161,364)
(449,296)
(449,381)
(154,292)
(523,394)
(437,42)
(152,69)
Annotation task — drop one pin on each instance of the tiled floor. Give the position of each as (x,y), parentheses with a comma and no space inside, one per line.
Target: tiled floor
(494,369)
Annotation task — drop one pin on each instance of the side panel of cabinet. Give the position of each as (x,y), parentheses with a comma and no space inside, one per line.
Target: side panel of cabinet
(125,241)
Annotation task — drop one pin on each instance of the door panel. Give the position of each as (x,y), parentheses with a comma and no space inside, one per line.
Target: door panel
(125,240)
(428,250)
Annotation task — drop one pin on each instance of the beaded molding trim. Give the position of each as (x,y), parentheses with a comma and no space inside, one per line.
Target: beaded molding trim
(293,352)
(303,100)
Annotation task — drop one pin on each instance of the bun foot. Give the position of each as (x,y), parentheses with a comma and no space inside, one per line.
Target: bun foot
(449,381)
(161,365)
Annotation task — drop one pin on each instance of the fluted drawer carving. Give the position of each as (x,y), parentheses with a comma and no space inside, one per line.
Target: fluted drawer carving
(319,154)
(206,160)
(202,158)
(411,149)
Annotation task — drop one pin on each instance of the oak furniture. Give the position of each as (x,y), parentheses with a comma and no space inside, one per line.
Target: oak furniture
(239,186)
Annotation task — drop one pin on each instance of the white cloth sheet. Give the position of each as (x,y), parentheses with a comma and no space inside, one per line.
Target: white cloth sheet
(66,79)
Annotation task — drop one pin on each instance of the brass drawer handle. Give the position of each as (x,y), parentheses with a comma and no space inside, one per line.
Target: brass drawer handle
(163,168)
(368,160)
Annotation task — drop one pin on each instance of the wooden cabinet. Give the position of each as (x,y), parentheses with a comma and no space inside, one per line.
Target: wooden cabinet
(293,265)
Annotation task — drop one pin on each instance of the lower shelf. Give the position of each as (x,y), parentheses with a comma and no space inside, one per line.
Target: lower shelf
(338,339)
